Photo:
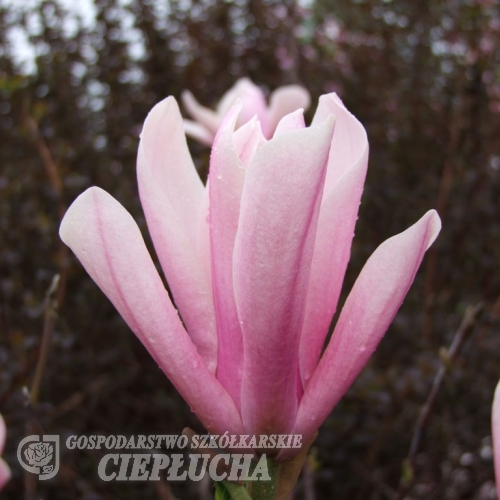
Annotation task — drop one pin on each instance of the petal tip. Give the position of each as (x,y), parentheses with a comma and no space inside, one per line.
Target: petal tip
(433,226)
(72,220)
(161,108)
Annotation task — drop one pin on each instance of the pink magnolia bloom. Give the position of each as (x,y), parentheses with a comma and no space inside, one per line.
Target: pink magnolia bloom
(255,261)
(282,101)
(495,427)
(4,468)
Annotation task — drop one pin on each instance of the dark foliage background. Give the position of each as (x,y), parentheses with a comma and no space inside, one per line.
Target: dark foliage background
(424,79)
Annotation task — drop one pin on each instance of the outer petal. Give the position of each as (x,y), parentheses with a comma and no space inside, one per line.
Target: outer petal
(247,140)
(347,164)
(283,101)
(205,116)
(172,196)
(109,244)
(272,257)
(293,121)
(226,184)
(349,140)
(495,427)
(367,313)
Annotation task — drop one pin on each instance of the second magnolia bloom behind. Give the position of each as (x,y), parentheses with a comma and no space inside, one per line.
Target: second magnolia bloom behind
(255,261)
(283,101)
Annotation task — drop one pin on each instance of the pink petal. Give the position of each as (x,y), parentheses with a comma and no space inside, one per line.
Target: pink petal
(3,434)
(226,184)
(272,257)
(109,244)
(283,101)
(293,121)
(198,132)
(253,102)
(337,219)
(5,473)
(174,202)
(349,141)
(495,427)
(247,139)
(204,116)
(366,315)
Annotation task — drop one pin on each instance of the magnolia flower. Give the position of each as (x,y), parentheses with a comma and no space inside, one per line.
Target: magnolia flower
(4,468)
(255,262)
(282,101)
(495,427)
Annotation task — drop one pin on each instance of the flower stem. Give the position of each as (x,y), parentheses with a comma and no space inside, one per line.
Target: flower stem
(266,490)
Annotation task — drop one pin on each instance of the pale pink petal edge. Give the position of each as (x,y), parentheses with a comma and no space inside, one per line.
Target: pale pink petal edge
(495,429)
(109,244)
(366,315)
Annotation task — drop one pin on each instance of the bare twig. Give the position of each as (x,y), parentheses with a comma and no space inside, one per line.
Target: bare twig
(31,427)
(447,356)
(50,316)
(45,154)
(53,173)
(77,398)
(55,293)
(445,186)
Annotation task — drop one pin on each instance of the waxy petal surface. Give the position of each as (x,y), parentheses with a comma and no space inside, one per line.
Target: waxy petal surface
(349,141)
(247,140)
(272,258)
(227,176)
(174,202)
(292,121)
(370,308)
(110,246)
(348,160)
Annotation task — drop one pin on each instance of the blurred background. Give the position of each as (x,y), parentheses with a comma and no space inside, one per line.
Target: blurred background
(76,82)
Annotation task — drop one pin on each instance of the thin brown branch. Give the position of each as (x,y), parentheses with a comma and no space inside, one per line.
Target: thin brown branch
(447,356)
(50,316)
(445,188)
(53,173)
(43,150)
(79,397)
(31,427)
